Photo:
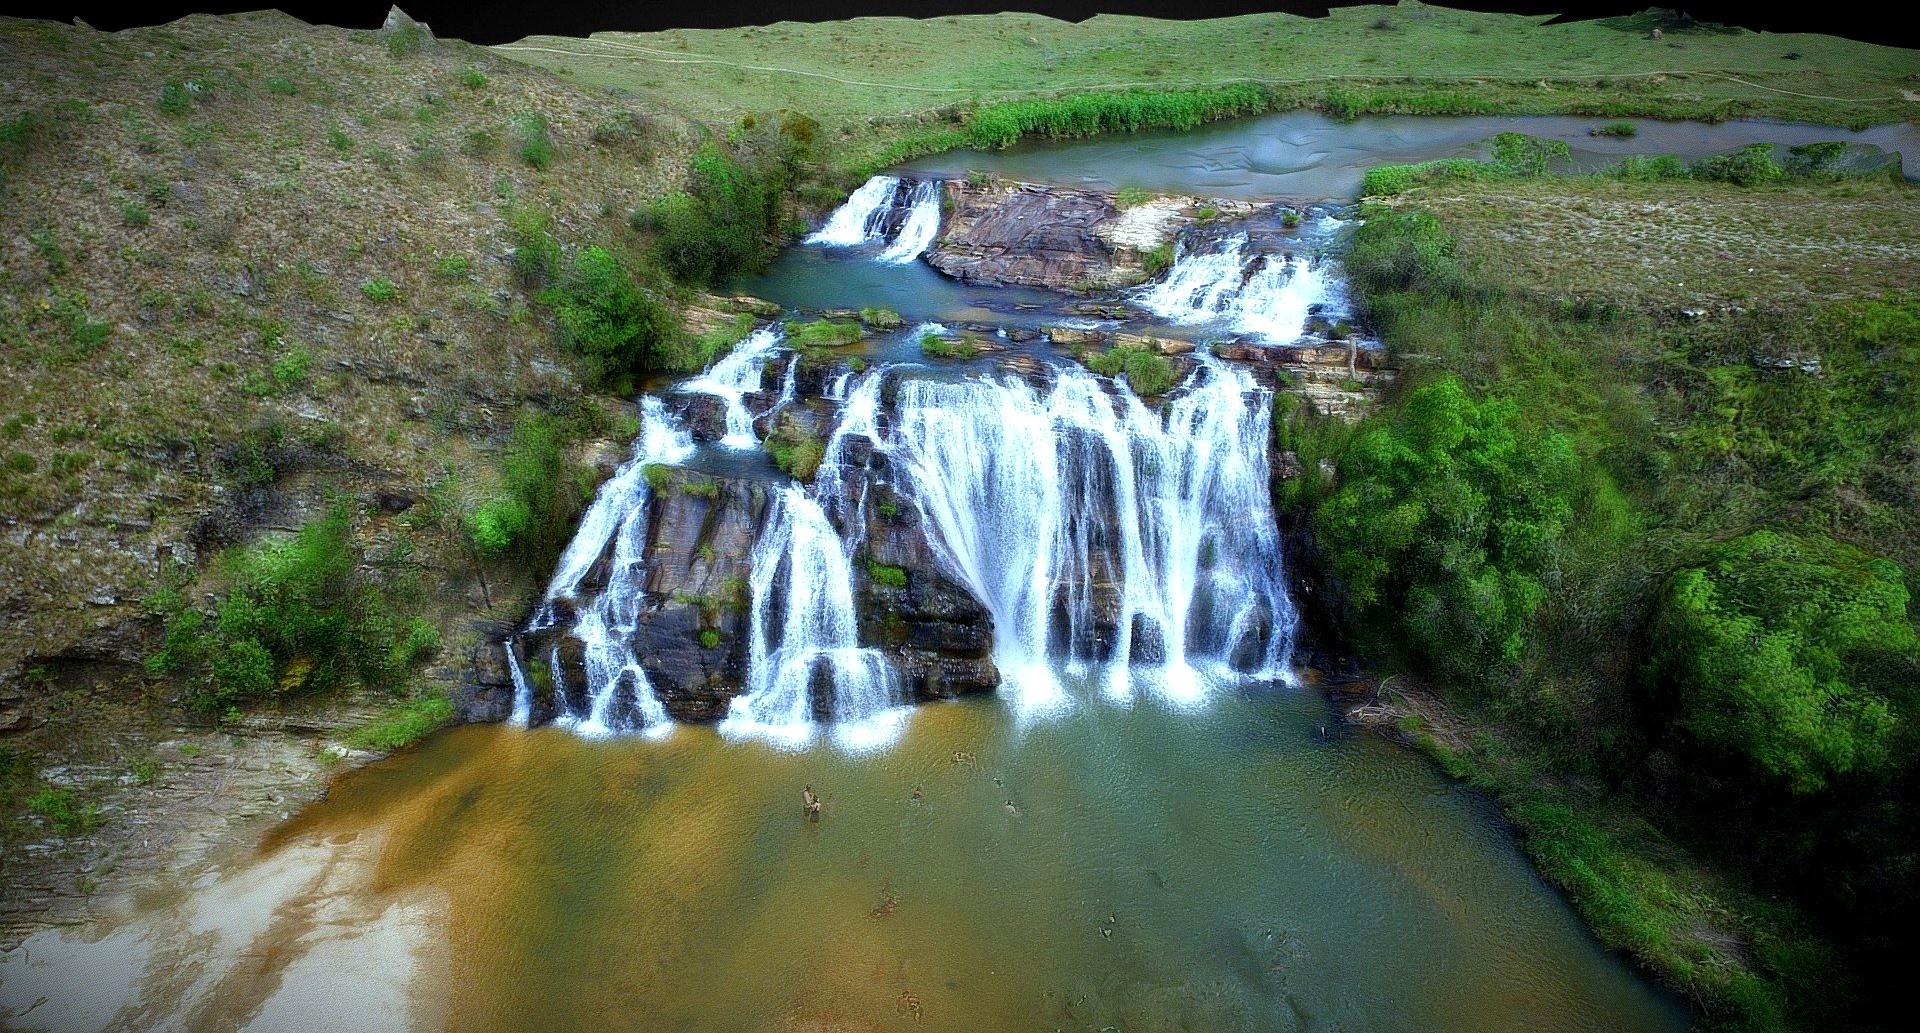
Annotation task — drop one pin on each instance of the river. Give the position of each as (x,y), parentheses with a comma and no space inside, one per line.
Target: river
(1151,825)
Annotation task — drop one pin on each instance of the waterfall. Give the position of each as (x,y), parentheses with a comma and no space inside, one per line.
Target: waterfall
(1262,295)
(605,623)
(862,218)
(736,375)
(921,226)
(1071,509)
(903,215)
(805,638)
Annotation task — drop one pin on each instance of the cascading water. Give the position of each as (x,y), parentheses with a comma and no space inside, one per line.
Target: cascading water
(605,622)
(1108,540)
(903,215)
(862,218)
(922,224)
(1072,510)
(736,375)
(805,638)
(1262,295)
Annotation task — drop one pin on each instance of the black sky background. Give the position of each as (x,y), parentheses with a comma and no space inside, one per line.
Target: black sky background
(492,21)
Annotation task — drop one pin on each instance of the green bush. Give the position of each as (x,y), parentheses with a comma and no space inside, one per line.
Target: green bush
(881,318)
(796,452)
(473,79)
(1514,155)
(536,141)
(601,314)
(719,226)
(536,248)
(1147,372)
(1781,652)
(1644,168)
(65,811)
(1444,524)
(1623,130)
(379,289)
(530,515)
(406,40)
(297,618)
(887,575)
(965,346)
(1751,165)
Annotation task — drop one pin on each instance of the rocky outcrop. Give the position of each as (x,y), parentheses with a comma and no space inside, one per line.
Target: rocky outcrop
(1342,379)
(1034,236)
(690,635)
(1061,238)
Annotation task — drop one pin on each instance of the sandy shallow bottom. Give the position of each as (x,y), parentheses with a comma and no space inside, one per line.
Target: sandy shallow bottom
(295,940)
(1134,865)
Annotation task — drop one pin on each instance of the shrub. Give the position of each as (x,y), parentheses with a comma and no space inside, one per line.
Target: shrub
(536,250)
(473,78)
(1444,523)
(64,810)
(795,451)
(1147,372)
(296,619)
(530,514)
(536,141)
(1160,259)
(881,318)
(710,638)
(379,289)
(133,213)
(1780,652)
(602,315)
(719,225)
(453,267)
(884,574)
(1643,168)
(1622,130)
(292,367)
(1751,165)
(406,40)
(966,346)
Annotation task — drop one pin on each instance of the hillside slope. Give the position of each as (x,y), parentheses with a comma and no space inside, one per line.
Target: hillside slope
(252,265)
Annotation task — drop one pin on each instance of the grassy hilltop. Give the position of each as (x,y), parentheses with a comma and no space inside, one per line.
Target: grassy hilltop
(877,83)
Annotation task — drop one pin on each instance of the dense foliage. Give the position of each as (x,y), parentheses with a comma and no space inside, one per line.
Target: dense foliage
(725,221)
(530,515)
(299,616)
(600,313)
(1444,525)
(1679,572)
(1783,653)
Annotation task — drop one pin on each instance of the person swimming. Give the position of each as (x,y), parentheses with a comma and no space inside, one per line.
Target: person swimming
(811,803)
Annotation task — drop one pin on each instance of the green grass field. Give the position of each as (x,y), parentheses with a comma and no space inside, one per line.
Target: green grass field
(870,81)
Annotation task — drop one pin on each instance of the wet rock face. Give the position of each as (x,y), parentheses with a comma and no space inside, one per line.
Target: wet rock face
(691,629)
(939,636)
(1034,236)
